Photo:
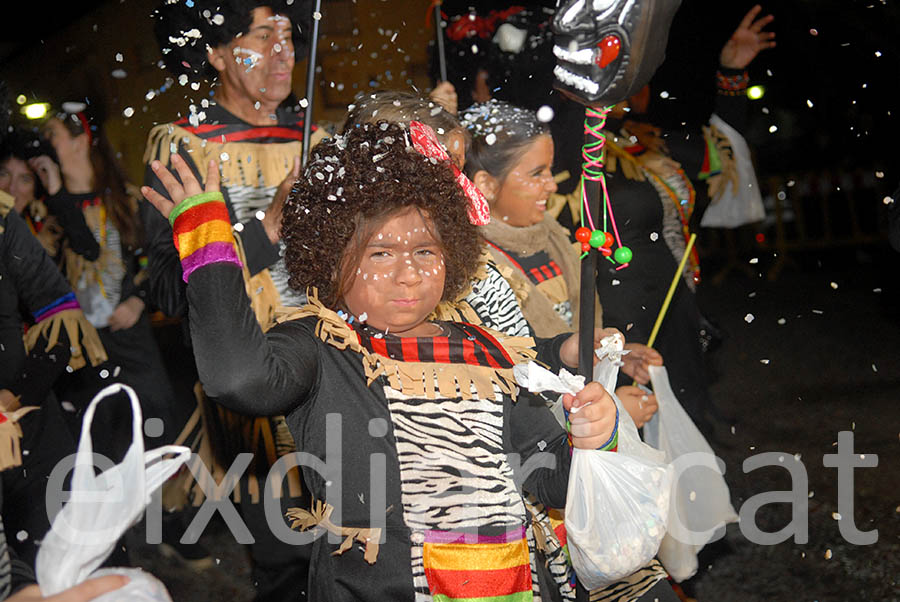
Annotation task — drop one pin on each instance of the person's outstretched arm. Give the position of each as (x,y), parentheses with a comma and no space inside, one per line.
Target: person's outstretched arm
(240,366)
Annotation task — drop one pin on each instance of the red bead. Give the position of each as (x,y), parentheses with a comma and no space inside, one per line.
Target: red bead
(606,251)
(583,235)
(608,243)
(585,246)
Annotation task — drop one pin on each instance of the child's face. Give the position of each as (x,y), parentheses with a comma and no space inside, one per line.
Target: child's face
(400,278)
(521,199)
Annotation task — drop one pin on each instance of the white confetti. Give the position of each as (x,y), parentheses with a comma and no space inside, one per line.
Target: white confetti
(615,282)
(545,114)
(22,535)
(224,156)
(834,285)
(749,318)
(874,368)
(490,139)
(128,112)
(654,236)
(828,554)
(755,260)
(764,362)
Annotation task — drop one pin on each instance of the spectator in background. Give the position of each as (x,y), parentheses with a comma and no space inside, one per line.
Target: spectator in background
(90,197)
(18,177)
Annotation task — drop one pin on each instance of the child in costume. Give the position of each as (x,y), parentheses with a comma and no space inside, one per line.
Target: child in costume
(422,467)
(509,159)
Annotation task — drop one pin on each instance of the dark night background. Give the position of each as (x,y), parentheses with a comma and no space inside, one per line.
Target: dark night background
(819,353)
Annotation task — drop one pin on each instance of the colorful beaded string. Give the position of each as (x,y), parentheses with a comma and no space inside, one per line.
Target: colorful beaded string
(594,155)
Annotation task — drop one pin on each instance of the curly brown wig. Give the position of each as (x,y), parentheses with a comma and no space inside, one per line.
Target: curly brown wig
(351,185)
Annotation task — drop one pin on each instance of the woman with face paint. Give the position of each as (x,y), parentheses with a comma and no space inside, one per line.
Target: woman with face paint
(509,158)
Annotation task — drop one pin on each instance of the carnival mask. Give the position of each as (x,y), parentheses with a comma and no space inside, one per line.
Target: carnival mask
(607,50)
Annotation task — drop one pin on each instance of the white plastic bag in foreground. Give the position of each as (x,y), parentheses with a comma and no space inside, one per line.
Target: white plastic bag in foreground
(101,508)
(701,503)
(616,504)
(732,210)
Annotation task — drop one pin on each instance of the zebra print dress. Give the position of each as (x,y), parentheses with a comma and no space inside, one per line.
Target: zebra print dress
(471,533)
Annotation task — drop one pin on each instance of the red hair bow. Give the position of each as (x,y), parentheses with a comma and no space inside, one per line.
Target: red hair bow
(425,141)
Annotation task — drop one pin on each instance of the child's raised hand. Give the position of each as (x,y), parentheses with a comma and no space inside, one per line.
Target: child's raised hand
(178,191)
(592,416)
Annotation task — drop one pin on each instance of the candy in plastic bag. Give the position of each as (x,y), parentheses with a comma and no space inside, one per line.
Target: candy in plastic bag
(617,503)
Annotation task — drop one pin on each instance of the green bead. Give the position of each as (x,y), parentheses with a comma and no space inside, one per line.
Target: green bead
(597,238)
(622,255)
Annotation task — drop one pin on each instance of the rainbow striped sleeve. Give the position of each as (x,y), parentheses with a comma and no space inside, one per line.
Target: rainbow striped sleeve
(202,231)
(67,301)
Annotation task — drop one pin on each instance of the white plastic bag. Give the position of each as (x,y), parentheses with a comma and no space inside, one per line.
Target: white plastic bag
(701,503)
(616,511)
(102,507)
(606,372)
(732,210)
(617,502)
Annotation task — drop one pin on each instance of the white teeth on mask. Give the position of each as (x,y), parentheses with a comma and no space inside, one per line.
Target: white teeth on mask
(585,56)
(576,81)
